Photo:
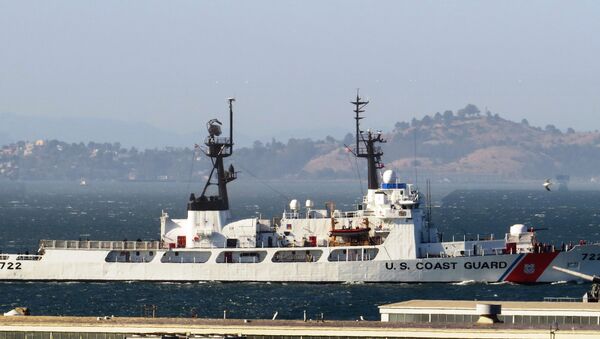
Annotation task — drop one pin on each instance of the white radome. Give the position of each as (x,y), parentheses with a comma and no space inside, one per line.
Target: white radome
(309,204)
(389,177)
(294,205)
(517,229)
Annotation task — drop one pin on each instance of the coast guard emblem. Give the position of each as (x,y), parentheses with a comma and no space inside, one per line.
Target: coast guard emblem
(529,268)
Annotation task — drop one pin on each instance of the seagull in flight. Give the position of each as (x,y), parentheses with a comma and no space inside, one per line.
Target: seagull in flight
(547,184)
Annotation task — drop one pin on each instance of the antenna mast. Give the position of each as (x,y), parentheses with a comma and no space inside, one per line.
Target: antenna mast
(366,144)
(415,157)
(429,222)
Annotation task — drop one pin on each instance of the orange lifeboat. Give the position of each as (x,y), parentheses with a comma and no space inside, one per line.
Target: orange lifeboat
(349,232)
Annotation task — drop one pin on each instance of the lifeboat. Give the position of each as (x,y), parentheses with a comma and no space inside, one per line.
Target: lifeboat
(349,232)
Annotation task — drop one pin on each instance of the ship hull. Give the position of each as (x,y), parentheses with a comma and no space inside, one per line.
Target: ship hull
(91,265)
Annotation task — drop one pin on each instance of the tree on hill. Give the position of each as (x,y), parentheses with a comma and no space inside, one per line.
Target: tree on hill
(401,125)
(552,129)
(469,111)
(415,122)
(448,116)
(427,120)
(349,138)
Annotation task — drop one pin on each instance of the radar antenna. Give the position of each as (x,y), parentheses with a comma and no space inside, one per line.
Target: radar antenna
(366,144)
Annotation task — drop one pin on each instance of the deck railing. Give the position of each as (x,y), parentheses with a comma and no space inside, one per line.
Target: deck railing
(563,299)
(99,244)
(336,214)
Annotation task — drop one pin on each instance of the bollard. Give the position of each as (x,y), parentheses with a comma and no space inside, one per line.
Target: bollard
(488,313)
(304,315)
(224,314)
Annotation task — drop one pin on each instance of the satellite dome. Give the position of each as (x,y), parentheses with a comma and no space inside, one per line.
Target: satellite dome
(517,229)
(389,177)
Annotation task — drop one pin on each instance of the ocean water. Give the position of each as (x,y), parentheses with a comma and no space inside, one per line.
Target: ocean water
(116,211)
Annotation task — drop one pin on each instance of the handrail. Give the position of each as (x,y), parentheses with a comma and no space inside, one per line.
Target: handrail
(100,244)
(337,214)
(562,299)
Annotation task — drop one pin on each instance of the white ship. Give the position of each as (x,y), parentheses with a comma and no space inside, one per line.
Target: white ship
(387,238)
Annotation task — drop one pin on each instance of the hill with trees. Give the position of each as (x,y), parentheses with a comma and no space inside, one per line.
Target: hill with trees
(466,144)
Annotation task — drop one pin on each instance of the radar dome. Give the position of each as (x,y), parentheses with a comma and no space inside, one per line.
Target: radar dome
(294,205)
(389,177)
(517,229)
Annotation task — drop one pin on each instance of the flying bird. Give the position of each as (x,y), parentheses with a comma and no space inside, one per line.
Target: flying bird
(547,184)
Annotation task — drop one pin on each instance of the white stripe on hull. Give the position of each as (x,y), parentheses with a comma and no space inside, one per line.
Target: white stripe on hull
(91,265)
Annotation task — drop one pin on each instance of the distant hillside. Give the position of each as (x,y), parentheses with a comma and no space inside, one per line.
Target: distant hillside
(471,143)
(465,144)
(16,127)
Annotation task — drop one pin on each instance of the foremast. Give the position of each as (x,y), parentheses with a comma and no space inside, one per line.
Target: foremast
(207,214)
(217,148)
(366,144)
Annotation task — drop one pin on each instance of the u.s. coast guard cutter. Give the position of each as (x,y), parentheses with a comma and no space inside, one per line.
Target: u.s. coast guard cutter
(388,238)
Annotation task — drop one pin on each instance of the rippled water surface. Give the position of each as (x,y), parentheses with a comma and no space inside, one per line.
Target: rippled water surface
(117,211)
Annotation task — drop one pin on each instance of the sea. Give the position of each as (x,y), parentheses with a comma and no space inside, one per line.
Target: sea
(30,211)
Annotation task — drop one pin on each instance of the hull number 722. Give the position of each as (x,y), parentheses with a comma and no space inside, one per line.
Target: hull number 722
(10,266)
(590,256)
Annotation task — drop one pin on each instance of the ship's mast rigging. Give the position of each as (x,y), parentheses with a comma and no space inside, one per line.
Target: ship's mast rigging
(217,148)
(366,144)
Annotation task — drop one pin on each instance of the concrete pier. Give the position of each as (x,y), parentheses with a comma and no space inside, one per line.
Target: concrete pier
(561,314)
(47,327)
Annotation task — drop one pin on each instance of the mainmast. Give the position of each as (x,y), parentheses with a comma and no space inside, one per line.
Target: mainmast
(366,144)
(217,148)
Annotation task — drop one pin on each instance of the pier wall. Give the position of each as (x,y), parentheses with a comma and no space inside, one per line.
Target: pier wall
(121,328)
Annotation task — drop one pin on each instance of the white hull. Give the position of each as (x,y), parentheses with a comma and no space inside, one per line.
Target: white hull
(91,265)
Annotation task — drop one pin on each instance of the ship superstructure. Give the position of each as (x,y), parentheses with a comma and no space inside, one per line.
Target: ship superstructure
(387,238)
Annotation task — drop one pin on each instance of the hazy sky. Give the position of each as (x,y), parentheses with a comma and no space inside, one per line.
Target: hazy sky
(294,65)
